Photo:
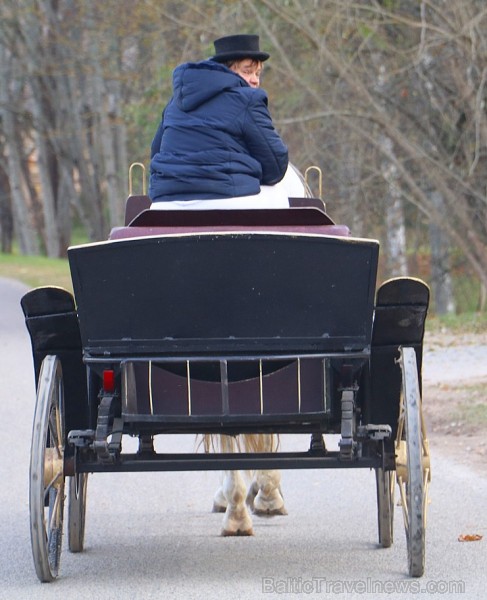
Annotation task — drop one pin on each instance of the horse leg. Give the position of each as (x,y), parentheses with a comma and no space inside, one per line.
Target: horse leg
(237,520)
(264,496)
(219,499)
(230,497)
(211,443)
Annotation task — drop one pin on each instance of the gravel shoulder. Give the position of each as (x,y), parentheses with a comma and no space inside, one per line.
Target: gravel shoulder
(455,397)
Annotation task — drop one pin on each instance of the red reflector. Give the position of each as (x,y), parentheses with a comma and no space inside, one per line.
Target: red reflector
(109,380)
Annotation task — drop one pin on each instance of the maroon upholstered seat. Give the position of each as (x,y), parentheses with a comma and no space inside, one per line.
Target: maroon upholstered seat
(305,216)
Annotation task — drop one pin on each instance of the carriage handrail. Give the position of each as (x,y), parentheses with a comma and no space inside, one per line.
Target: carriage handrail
(144,187)
(320,179)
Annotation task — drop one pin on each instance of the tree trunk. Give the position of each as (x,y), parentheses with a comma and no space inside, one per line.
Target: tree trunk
(441,281)
(395,226)
(6,220)
(26,234)
(66,194)
(47,191)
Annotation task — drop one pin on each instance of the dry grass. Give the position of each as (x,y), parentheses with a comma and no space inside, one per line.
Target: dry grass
(36,271)
(456,419)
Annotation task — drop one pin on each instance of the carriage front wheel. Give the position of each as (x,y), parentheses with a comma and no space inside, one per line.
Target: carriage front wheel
(412,462)
(46,477)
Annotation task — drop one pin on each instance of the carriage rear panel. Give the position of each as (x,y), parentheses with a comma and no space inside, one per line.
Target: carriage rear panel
(228,294)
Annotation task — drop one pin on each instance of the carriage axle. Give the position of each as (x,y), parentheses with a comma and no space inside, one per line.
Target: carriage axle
(314,459)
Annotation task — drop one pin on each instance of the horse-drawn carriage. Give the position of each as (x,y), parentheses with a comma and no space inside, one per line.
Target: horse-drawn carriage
(226,322)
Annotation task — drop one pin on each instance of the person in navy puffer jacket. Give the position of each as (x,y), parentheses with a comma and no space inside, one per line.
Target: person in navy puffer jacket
(216,138)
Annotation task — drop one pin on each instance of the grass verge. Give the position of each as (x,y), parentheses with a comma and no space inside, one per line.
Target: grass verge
(468,322)
(36,271)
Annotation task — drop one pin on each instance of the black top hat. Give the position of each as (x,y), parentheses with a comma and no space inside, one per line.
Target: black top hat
(234,47)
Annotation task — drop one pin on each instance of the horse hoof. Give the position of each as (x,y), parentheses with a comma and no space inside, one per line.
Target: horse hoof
(268,512)
(218,508)
(237,532)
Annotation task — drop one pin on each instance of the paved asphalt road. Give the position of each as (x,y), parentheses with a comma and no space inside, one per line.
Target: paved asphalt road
(152,535)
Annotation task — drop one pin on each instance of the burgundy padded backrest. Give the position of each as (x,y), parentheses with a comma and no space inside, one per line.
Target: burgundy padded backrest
(305,215)
(134,206)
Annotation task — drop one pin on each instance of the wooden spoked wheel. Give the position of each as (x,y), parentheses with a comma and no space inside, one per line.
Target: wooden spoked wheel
(46,482)
(385,482)
(77,487)
(412,462)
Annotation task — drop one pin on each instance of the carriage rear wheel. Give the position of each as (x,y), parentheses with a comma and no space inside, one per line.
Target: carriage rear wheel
(77,486)
(412,462)
(385,482)
(46,479)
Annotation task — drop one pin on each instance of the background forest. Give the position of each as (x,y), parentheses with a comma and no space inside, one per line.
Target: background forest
(387,97)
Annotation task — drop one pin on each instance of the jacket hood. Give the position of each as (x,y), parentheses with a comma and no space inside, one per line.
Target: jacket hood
(196,83)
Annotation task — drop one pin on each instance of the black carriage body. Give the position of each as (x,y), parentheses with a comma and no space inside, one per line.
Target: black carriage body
(227,294)
(228,332)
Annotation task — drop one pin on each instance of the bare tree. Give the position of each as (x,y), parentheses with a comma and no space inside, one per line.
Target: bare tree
(9,93)
(387,97)
(398,71)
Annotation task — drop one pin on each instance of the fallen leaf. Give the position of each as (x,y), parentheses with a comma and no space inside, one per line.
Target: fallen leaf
(469,537)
